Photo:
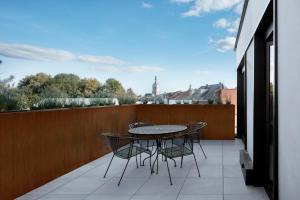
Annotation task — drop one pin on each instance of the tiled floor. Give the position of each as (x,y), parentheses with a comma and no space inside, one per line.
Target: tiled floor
(221,179)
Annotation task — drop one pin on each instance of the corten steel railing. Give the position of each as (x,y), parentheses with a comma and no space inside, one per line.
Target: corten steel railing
(38,146)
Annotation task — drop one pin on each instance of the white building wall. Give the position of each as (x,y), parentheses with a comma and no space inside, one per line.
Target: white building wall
(254,14)
(250,97)
(289,98)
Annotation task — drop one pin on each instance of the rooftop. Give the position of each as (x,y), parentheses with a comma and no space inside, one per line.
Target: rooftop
(221,178)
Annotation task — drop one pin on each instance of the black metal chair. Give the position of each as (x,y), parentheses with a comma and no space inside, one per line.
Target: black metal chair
(196,131)
(181,145)
(143,142)
(124,148)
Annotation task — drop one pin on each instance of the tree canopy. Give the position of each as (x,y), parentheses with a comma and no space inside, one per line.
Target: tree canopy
(34,88)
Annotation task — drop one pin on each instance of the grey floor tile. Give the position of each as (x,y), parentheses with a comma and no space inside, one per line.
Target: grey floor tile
(63,197)
(155,197)
(108,197)
(200,197)
(194,186)
(128,186)
(161,185)
(80,185)
(212,171)
(251,196)
(237,186)
(232,171)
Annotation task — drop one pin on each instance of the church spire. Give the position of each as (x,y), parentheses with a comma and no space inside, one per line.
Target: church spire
(155,87)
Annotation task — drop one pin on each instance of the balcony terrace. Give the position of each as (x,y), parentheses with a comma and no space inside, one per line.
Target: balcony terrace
(221,178)
(58,154)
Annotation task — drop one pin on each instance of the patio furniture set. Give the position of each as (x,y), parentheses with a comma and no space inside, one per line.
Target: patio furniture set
(169,141)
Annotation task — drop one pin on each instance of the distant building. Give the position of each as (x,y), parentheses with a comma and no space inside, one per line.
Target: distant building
(155,88)
(201,95)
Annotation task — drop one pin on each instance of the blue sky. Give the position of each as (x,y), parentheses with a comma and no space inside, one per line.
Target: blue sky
(180,41)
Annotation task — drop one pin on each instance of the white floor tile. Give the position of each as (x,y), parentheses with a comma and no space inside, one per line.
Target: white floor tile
(128,186)
(194,186)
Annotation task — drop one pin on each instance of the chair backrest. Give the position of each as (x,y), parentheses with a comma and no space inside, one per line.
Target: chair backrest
(196,128)
(194,132)
(112,140)
(115,141)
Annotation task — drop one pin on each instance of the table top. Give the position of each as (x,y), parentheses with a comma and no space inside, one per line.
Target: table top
(157,129)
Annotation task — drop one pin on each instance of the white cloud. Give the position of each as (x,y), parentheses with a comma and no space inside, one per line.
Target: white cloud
(181,1)
(231,26)
(28,52)
(234,26)
(208,6)
(222,23)
(23,51)
(239,8)
(100,59)
(128,69)
(225,44)
(146,5)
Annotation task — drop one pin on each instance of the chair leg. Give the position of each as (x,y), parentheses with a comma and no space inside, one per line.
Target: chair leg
(196,164)
(109,165)
(202,149)
(123,171)
(169,173)
(181,162)
(150,164)
(140,159)
(153,165)
(136,160)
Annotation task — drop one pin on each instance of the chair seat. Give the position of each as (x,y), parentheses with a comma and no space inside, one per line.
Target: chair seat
(176,151)
(124,152)
(146,143)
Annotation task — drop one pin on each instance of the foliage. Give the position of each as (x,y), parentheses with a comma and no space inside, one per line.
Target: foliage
(131,93)
(160,101)
(178,102)
(8,95)
(126,100)
(210,101)
(53,92)
(49,104)
(186,102)
(35,83)
(67,83)
(101,102)
(89,87)
(113,87)
(74,103)
(42,91)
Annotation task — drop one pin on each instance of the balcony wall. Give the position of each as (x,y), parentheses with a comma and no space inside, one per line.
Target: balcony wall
(38,146)
(220,118)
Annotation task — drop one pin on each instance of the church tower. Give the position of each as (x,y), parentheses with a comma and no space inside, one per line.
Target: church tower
(155,87)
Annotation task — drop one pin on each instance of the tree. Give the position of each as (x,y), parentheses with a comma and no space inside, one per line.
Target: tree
(113,87)
(67,83)
(89,87)
(31,87)
(131,93)
(35,83)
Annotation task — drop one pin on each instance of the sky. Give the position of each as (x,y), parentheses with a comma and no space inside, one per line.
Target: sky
(182,42)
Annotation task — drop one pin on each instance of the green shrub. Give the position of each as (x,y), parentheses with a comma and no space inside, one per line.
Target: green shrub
(210,101)
(126,100)
(178,102)
(73,103)
(49,104)
(101,102)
